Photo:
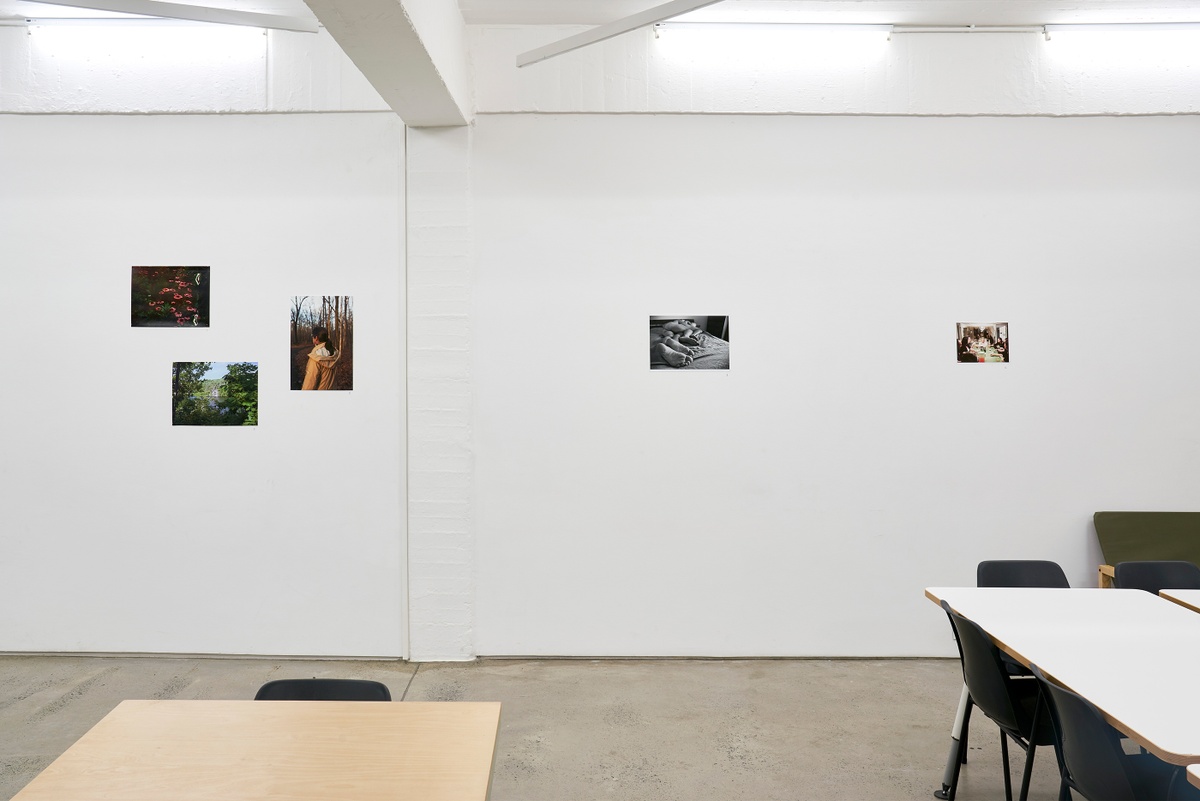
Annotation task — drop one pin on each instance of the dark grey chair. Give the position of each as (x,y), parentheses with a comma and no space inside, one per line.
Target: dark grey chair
(1020,573)
(995,573)
(323,690)
(1092,761)
(1153,576)
(1013,704)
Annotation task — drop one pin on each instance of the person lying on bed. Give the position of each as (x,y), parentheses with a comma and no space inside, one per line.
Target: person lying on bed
(665,348)
(687,331)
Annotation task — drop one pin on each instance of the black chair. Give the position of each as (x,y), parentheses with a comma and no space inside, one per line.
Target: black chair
(996,573)
(1091,758)
(1155,576)
(323,690)
(1020,573)
(1012,703)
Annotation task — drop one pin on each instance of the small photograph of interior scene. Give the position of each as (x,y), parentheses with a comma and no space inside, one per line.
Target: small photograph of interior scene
(689,343)
(982,342)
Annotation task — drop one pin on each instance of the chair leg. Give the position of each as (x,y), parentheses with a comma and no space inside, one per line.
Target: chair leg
(1028,771)
(966,727)
(1004,761)
(958,748)
(948,792)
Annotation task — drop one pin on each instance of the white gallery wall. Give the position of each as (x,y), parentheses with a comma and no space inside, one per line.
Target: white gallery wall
(123,533)
(508,477)
(790,69)
(175,67)
(800,502)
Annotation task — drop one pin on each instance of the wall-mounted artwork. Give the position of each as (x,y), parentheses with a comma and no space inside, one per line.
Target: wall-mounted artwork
(322,342)
(214,394)
(982,342)
(169,297)
(689,343)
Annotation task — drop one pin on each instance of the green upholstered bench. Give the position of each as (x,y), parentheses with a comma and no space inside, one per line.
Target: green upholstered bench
(1134,536)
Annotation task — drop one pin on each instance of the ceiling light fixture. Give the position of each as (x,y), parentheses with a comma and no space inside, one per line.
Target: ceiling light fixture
(179,11)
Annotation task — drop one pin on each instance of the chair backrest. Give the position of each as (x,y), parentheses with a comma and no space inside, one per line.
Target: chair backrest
(323,690)
(1156,575)
(1020,573)
(1089,748)
(984,673)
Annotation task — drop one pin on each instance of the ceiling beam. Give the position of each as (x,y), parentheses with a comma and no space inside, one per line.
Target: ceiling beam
(223,16)
(607,31)
(413,52)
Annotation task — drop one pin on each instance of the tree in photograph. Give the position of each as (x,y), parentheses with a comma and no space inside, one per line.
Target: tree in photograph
(298,319)
(187,382)
(241,393)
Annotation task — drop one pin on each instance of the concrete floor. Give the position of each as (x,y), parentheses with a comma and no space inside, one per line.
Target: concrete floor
(574,730)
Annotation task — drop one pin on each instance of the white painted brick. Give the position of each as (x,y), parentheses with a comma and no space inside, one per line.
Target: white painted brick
(452,270)
(436,558)
(440,481)
(441,399)
(454,510)
(436,526)
(438,364)
(438,486)
(441,342)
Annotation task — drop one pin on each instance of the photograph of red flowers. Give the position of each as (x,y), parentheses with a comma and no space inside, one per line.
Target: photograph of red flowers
(169,297)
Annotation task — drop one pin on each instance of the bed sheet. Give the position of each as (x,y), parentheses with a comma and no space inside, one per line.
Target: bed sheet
(713,354)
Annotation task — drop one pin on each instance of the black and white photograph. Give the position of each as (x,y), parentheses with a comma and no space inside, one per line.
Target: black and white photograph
(982,342)
(689,343)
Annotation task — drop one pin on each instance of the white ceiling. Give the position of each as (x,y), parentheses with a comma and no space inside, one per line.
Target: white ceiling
(904,12)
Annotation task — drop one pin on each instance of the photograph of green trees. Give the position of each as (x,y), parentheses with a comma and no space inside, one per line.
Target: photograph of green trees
(214,394)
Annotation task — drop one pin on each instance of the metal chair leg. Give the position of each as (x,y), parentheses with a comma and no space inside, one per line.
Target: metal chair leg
(1004,761)
(958,748)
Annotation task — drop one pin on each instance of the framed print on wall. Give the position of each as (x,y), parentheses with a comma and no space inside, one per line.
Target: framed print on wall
(982,343)
(322,342)
(700,342)
(169,297)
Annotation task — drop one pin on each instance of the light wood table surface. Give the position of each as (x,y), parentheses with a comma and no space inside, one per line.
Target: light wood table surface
(1132,654)
(1186,598)
(1193,773)
(294,750)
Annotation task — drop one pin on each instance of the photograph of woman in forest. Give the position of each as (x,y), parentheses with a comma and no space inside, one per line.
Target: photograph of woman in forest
(322,361)
(322,342)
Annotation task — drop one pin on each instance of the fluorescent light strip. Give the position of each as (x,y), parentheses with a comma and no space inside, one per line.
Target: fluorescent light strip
(969,29)
(222,16)
(1101,27)
(816,26)
(1046,30)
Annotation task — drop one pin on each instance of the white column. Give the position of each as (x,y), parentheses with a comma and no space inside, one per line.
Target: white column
(441,461)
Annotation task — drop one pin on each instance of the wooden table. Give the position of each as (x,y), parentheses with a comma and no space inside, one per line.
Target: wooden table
(295,750)
(1185,598)
(1132,654)
(1193,773)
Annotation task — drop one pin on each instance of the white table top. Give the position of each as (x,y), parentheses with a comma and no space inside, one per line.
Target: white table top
(1188,598)
(1132,654)
(270,750)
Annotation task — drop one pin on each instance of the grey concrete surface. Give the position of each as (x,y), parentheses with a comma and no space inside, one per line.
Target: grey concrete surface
(573,730)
